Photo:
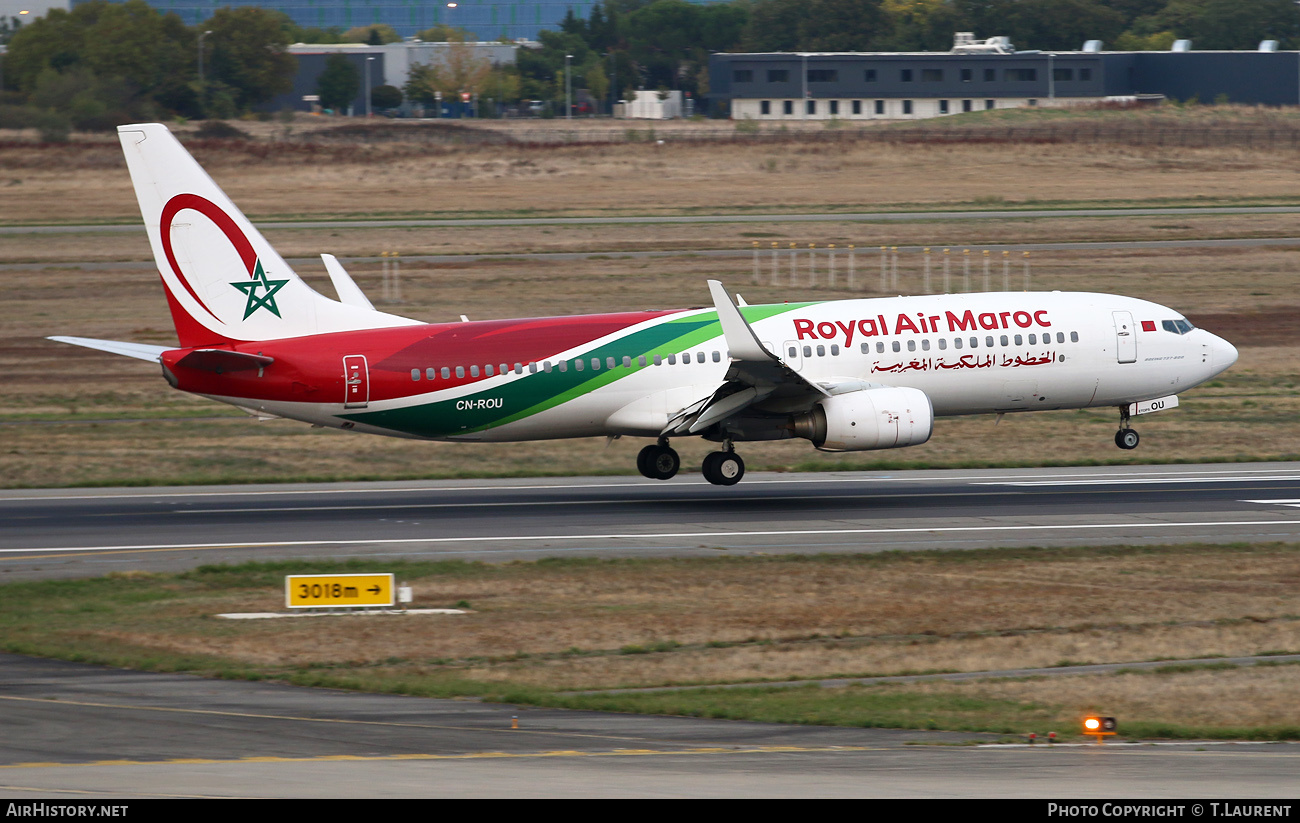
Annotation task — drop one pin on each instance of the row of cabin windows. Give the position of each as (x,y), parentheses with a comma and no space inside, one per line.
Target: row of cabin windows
(546,366)
(957,343)
(989,342)
(1063,75)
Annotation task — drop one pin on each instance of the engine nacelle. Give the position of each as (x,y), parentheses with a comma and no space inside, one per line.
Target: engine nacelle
(887,417)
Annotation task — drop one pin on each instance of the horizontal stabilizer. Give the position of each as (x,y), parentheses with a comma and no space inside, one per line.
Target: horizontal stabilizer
(223,360)
(140,351)
(346,288)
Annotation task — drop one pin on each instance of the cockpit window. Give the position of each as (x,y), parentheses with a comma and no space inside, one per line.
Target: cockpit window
(1179,326)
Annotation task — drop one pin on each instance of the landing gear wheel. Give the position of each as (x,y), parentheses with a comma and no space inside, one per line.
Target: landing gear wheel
(1126,439)
(658,462)
(723,468)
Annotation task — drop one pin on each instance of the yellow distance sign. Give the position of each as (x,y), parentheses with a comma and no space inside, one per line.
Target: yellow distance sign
(331,591)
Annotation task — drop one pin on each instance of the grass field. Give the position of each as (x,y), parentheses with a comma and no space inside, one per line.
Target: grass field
(537,630)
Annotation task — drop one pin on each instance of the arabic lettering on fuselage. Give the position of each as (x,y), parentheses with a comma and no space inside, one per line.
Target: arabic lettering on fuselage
(878,326)
(966,361)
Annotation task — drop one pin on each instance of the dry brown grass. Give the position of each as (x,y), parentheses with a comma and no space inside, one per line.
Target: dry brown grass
(574,626)
(1249,414)
(1241,698)
(647,178)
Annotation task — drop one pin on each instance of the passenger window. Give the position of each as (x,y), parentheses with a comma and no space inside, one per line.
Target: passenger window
(640,361)
(880,347)
(1019,340)
(609,362)
(564,365)
(807,351)
(658,360)
(595,364)
(974,342)
(504,369)
(911,345)
(866,348)
(672,360)
(415,374)
(1060,337)
(896,346)
(446,373)
(925,345)
(1004,341)
(546,367)
(821,351)
(519,368)
(956,343)
(835,350)
(794,352)
(460,371)
(686,358)
(577,365)
(532,368)
(717,357)
(488,370)
(943,344)
(473,371)
(430,373)
(1033,339)
(1074,337)
(988,341)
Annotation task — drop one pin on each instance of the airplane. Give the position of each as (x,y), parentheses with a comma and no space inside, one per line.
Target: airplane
(846,375)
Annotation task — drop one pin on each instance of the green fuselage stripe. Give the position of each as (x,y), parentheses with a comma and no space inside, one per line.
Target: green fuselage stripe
(534,393)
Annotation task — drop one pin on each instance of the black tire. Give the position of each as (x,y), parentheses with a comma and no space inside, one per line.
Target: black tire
(665,463)
(723,468)
(645,461)
(1126,439)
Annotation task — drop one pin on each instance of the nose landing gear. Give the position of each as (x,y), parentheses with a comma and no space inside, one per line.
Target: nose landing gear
(1125,438)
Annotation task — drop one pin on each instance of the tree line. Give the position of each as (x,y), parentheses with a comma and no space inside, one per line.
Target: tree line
(104,63)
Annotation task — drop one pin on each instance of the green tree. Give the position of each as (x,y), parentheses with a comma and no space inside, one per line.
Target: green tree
(338,84)
(375,34)
(1230,24)
(248,54)
(385,97)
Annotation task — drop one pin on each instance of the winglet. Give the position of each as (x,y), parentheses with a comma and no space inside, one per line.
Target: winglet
(739,336)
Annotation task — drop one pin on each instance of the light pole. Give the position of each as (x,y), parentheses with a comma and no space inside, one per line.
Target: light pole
(369,60)
(201,86)
(568,92)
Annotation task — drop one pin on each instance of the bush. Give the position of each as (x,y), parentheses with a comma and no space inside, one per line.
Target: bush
(221,130)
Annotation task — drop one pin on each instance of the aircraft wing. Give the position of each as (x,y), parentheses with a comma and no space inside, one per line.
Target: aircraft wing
(140,351)
(755,376)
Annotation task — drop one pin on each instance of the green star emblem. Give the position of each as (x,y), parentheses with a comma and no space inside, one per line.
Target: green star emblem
(259,281)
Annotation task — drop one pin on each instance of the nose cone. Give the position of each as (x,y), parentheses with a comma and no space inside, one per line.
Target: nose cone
(1222,353)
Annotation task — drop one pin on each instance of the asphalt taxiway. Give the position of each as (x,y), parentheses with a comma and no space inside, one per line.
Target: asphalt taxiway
(74,731)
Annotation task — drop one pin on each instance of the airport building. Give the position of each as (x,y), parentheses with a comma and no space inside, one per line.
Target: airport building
(991,74)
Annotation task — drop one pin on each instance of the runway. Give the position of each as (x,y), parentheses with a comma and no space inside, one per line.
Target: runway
(85,532)
(74,732)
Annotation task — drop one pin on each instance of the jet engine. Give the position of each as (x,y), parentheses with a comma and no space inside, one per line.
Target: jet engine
(886,417)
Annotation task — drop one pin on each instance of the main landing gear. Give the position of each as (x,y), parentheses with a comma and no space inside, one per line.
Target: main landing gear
(660,462)
(1125,438)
